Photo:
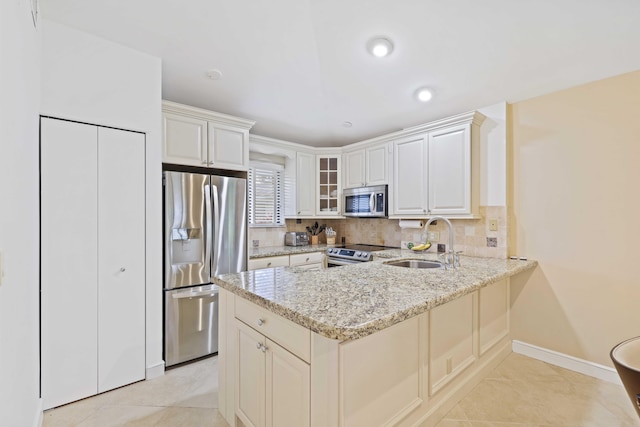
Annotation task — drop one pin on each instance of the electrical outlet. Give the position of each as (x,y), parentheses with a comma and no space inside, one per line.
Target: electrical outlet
(493,225)
(256,243)
(434,236)
(442,247)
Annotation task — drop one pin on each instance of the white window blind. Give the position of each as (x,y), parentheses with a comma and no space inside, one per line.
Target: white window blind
(266,207)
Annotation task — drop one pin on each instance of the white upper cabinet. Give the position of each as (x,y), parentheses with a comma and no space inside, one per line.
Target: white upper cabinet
(436,169)
(410,175)
(354,169)
(197,137)
(328,189)
(449,170)
(377,165)
(368,166)
(306,184)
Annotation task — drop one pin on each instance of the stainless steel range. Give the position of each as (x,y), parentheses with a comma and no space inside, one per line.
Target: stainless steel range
(352,254)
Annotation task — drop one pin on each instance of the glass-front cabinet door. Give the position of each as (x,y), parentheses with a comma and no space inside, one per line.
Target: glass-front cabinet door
(329,190)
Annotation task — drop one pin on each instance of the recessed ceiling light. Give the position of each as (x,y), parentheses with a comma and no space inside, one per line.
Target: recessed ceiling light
(380,46)
(347,124)
(214,74)
(424,94)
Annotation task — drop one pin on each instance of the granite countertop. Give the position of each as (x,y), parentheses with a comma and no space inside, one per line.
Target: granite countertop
(354,301)
(267,251)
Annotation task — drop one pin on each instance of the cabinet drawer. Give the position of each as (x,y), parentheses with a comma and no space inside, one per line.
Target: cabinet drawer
(286,333)
(310,258)
(274,261)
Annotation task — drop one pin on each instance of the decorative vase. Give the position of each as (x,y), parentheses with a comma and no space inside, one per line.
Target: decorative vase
(314,240)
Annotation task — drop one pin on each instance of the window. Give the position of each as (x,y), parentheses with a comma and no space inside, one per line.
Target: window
(266,204)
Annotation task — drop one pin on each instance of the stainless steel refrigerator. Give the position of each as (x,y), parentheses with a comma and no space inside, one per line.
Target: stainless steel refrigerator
(205,234)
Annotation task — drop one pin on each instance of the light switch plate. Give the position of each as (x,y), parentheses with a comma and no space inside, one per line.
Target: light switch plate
(493,225)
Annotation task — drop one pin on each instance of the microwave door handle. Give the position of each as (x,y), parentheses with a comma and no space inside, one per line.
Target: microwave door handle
(372,202)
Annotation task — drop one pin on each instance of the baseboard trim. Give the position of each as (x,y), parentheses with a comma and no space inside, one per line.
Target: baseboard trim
(565,361)
(155,371)
(39,418)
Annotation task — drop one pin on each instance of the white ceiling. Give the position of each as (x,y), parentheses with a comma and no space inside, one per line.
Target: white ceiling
(300,68)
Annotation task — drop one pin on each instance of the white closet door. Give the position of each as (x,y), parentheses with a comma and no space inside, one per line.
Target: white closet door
(69,206)
(121,258)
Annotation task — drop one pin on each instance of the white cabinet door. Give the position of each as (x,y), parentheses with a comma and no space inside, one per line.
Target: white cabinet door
(288,388)
(354,175)
(493,313)
(377,165)
(93,260)
(305,184)
(69,262)
(452,340)
(121,255)
(251,377)
(267,262)
(410,175)
(228,147)
(449,169)
(184,140)
(328,188)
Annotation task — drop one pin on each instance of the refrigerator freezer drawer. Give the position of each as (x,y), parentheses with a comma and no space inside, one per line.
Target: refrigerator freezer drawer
(191,323)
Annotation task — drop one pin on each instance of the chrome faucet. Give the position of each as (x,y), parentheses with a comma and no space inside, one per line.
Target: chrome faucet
(451,258)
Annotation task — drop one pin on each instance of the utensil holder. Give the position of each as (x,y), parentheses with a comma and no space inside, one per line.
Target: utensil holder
(314,240)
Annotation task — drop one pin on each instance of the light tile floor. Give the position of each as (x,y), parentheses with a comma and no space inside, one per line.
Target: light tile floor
(526,392)
(520,392)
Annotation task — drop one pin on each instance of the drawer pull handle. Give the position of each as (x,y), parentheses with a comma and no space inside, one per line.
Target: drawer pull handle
(269,265)
(260,322)
(307,260)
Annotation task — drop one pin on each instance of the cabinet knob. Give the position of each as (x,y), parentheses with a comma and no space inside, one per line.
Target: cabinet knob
(260,322)
(122,269)
(204,162)
(307,260)
(264,348)
(258,345)
(210,163)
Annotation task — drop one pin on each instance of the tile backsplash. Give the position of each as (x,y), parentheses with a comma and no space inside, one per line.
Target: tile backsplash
(471,236)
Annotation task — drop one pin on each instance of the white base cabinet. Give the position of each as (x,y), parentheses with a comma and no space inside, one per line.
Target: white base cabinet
(93,258)
(273,373)
(409,374)
(309,261)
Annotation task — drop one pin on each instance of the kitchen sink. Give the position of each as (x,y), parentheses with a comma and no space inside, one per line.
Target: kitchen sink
(415,263)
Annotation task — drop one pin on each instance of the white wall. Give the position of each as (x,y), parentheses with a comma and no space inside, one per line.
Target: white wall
(493,156)
(93,80)
(19,313)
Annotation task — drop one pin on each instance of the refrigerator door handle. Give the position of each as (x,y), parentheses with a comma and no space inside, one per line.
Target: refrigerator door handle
(209,232)
(216,232)
(180,295)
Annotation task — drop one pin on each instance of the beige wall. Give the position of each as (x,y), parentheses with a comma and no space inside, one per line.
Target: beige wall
(575,199)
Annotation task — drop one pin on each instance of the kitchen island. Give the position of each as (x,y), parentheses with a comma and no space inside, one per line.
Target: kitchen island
(361,345)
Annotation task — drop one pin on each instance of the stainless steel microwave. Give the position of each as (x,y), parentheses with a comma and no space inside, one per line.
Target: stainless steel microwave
(366,202)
